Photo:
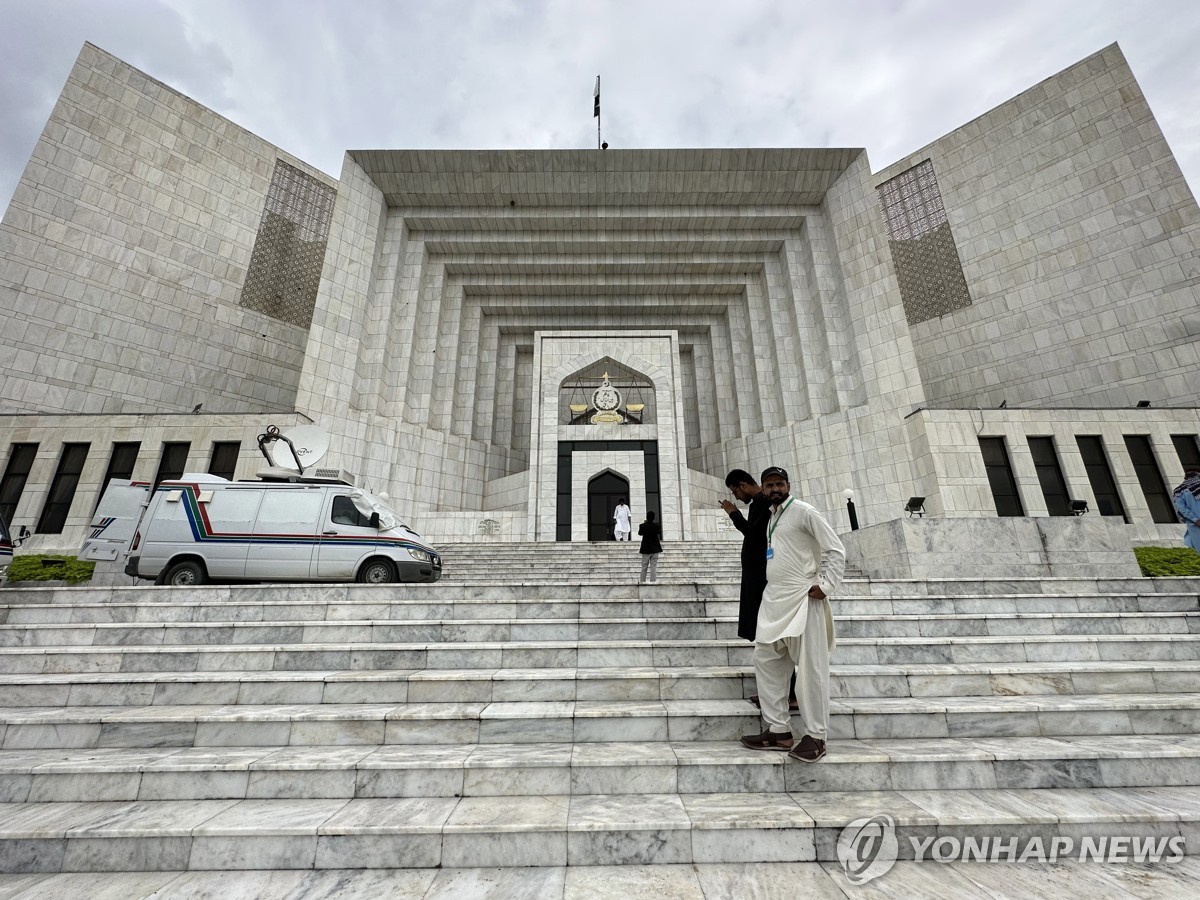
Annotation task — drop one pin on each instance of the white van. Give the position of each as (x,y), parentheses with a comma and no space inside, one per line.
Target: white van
(203,527)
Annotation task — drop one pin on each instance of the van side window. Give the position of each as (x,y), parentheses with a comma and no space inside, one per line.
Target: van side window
(346,513)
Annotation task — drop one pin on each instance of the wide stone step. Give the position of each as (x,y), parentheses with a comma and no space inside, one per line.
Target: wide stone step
(371,771)
(535,830)
(1067,877)
(584,721)
(644,628)
(568,683)
(587,654)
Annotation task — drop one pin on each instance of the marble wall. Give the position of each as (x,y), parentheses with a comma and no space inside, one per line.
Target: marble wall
(123,253)
(1084,546)
(1080,242)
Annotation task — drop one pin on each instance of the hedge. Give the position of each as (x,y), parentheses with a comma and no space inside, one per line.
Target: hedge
(1167,561)
(29,567)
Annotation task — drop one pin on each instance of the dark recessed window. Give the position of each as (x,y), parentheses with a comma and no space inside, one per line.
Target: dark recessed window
(1187,449)
(173,462)
(1050,476)
(1150,478)
(224,458)
(16,473)
(1000,477)
(1100,476)
(120,465)
(62,488)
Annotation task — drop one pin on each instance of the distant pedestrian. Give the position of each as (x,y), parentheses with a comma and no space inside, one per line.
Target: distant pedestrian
(623,517)
(651,548)
(1187,505)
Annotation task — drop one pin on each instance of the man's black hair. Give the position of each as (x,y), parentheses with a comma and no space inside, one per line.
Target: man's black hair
(650,515)
(738,476)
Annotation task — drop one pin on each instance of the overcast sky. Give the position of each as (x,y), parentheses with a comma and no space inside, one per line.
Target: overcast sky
(317,77)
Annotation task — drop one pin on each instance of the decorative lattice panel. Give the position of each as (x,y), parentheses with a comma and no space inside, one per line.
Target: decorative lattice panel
(285,267)
(926,259)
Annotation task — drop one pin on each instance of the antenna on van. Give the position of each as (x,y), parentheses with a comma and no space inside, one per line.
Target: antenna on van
(306,445)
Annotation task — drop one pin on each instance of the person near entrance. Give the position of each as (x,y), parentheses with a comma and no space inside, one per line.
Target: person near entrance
(1187,504)
(753,527)
(651,548)
(805,565)
(623,519)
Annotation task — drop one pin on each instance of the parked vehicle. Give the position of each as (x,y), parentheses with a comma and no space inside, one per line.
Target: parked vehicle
(206,528)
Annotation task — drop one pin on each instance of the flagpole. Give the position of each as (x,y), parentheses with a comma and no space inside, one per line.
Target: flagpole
(597,112)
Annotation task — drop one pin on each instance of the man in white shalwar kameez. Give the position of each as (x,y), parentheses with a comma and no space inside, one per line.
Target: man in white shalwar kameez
(805,565)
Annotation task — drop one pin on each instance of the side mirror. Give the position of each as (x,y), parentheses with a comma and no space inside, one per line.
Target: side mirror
(375,520)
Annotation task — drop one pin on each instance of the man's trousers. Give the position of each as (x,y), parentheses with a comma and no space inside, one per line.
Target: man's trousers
(808,656)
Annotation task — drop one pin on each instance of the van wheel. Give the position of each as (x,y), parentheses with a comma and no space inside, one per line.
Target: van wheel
(377,571)
(185,574)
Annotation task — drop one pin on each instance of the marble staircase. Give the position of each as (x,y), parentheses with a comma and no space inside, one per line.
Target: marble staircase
(560,720)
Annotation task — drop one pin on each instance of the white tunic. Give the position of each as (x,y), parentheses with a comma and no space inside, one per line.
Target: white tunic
(621,517)
(805,551)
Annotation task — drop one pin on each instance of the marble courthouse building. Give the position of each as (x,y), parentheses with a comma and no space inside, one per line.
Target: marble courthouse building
(1003,323)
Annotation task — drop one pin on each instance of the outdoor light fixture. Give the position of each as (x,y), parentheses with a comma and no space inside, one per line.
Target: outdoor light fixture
(849,495)
(1078,507)
(1143,404)
(915,506)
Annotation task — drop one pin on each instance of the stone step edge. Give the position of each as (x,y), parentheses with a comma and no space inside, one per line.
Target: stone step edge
(512,710)
(595,754)
(597,620)
(600,673)
(592,644)
(556,831)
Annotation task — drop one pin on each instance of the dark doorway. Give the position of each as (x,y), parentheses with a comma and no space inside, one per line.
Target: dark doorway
(604,491)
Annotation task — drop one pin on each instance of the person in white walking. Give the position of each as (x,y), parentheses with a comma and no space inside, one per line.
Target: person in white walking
(805,565)
(623,517)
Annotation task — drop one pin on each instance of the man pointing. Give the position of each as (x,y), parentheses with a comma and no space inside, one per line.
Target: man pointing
(805,565)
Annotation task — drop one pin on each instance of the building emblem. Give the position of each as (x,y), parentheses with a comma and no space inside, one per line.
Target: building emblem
(607,400)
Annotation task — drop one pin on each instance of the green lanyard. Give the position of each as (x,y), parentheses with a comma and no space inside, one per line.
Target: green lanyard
(775,522)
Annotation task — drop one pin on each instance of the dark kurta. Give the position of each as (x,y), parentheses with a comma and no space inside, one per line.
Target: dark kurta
(754,561)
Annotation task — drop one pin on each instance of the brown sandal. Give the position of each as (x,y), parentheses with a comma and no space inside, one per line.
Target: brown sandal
(768,740)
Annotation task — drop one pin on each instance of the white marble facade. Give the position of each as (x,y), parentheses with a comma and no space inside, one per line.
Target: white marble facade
(755,289)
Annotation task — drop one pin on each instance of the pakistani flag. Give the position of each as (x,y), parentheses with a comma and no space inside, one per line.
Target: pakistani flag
(596,94)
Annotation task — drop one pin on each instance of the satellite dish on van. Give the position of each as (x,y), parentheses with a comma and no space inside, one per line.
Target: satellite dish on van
(311,443)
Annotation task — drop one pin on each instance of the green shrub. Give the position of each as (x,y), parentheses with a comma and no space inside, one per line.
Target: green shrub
(1167,561)
(28,567)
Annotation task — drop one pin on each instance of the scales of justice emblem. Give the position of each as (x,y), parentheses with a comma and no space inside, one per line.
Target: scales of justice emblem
(606,399)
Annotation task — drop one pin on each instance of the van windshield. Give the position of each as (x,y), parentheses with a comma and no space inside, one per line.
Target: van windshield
(4,538)
(368,503)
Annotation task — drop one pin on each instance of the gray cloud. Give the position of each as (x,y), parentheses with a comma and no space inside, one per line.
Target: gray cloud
(319,77)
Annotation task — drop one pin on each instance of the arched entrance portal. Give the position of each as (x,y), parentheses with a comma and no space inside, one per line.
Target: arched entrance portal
(604,491)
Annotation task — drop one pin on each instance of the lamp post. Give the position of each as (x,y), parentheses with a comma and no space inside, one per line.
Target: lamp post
(849,495)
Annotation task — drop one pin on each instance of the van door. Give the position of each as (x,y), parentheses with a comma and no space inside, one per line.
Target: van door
(347,536)
(285,534)
(115,521)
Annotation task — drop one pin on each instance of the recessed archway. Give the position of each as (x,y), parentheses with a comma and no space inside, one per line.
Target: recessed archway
(604,492)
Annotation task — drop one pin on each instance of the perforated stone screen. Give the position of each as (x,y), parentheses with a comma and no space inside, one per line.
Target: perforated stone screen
(289,250)
(923,250)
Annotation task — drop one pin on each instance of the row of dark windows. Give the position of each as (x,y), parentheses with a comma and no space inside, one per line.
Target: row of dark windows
(121,461)
(1099,474)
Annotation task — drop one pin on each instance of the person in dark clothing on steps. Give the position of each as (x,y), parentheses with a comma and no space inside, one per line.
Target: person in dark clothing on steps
(651,548)
(753,527)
